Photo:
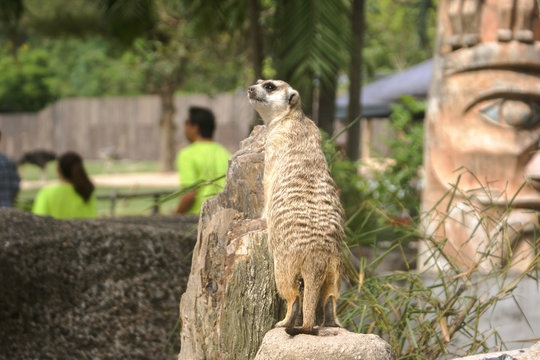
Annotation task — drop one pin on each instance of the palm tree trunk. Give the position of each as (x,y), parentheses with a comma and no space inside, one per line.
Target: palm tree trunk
(256,40)
(355,78)
(167,130)
(327,106)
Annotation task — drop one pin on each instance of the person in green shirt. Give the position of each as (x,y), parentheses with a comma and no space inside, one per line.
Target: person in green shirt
(72,197)
(203,160)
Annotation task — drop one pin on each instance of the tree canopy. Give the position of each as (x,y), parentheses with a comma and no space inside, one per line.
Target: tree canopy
(65,48)
(96,48)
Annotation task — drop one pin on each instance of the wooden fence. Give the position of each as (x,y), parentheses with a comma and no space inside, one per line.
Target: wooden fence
(127,126)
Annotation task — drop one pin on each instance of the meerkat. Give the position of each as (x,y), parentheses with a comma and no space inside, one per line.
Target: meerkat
(302,209)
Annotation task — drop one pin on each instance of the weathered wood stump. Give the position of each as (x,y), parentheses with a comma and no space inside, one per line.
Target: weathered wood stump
(231,300)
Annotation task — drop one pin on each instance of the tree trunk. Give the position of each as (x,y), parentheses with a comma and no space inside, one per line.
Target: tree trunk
(231,300)
(355,77)
(255,38)
(256,43)
(167,130)
(327,106)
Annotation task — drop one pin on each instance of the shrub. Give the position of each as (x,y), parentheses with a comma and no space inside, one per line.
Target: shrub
(23,80)
(422,313)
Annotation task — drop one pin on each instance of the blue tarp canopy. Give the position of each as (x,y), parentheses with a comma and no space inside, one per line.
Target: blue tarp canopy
(378,95)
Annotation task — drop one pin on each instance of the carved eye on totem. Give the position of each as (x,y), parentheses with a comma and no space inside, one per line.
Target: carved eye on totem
(524,114)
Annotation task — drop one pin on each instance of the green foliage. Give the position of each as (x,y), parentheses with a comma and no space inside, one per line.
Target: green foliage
(127,20)
(311,38)
(394,189)
(421,313)
(11,12)
(398,34)
(23,80)
(91,68)
(91,53)
(52,69)
(355,196)
(407,147)
(398,184)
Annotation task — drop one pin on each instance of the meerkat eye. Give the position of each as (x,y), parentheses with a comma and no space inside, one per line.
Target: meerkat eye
(269,87)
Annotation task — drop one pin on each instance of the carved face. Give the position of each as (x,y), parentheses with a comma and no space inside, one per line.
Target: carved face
(483,133)
(272,98)
(489,123)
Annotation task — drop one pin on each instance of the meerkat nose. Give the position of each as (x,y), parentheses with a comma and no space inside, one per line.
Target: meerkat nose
(251,89)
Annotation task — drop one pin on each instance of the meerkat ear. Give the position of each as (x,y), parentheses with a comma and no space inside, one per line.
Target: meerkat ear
(294,97)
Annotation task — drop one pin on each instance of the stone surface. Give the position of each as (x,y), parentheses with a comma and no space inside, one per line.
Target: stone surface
(231,300)
(91,289)
(483,131)
(332,343)
(532,353)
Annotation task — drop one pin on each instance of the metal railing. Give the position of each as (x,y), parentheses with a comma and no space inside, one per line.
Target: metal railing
(114,197)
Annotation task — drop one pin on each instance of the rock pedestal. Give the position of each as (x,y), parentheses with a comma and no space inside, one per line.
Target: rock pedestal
(532,353)
(331,343)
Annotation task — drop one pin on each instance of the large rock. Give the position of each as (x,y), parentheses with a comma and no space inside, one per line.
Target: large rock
(532,353)
(91,289)
(332,343)
(231,300)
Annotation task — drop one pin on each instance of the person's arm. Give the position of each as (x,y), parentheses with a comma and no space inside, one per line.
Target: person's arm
(186,202)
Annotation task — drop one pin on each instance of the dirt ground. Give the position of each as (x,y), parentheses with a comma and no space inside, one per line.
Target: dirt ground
(169,179)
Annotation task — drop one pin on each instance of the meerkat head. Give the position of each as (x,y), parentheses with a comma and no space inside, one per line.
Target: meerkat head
(273,99)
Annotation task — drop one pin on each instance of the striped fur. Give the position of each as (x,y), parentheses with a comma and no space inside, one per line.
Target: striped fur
(302,209)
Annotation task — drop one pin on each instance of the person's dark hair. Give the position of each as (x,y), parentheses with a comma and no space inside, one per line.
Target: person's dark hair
(204,118)
(72,169)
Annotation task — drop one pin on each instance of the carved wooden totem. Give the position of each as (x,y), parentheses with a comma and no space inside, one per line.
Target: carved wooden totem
(483,135)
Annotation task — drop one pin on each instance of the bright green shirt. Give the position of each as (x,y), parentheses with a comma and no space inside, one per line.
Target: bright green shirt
(62,202)
(202,160)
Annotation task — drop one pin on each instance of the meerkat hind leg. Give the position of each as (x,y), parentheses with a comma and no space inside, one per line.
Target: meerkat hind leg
(287,288)
(330,317)
(329,296)
(293,308)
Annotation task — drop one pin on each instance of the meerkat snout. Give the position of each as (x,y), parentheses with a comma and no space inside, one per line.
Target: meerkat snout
(273,99)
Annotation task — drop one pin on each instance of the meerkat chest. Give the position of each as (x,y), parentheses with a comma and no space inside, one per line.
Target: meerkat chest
(294,160)
(288,144)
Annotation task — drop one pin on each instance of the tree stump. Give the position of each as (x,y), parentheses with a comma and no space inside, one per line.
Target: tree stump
(232,270)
